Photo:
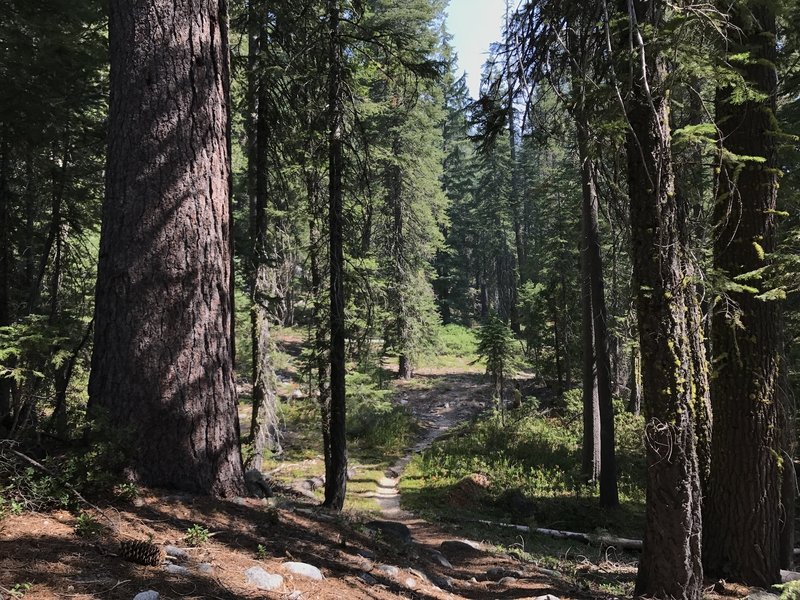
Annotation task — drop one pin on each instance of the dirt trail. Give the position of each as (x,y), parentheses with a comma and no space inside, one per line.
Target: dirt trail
(454,399)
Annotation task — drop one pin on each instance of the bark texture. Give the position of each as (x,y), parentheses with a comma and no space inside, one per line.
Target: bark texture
(336,467)
(162,366)
(744,516)
(670,563)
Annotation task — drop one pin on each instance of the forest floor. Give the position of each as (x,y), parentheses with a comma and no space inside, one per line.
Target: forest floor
(375,549)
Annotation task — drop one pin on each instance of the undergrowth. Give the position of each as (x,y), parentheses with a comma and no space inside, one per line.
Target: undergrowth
(533,466)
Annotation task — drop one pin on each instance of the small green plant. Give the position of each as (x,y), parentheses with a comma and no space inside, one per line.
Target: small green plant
(261,552)
(20,589)
(789,590)
(127,491)
(197,535)
(87,526)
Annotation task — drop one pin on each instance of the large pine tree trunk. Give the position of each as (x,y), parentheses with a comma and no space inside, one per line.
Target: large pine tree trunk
(336,469)
(743,529)
(670,563)
(162,367)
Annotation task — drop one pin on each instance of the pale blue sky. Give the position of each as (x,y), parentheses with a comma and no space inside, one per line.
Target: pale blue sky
(474,25)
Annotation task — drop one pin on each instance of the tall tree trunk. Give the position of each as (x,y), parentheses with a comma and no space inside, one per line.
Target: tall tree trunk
(594,289)
(743,528)
(264,433)
(321,343)
(394,184)
(557,348)
(590,454)
(336,470)
(162,366)
(635,383)
(670,564)
(5,264)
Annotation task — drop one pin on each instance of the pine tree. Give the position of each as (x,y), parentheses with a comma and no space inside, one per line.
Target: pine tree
(162,367)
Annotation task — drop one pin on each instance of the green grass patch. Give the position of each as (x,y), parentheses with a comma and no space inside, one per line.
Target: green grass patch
(533,465)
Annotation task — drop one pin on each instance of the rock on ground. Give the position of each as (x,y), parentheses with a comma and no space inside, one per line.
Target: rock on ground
(148,595)
(262,580)
(392,529)
(304,570)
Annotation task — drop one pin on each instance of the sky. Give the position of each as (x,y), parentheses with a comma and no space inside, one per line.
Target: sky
(474,25)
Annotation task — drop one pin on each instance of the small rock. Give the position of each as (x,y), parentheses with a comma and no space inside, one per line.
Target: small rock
(295,595)
(263,580)
(304,570)
(497,573)
(240,501)
(176,570)
(443,582)
(762,596)
(389,570)
(138,502)
(410,583)
(507,581)
(257,484)
(787,576)
(367,578)
(205,568)
(175,552)
(368,554)
(547,597)
(548,572)
(148,595)
(391,528)
(441,559)
(464,548)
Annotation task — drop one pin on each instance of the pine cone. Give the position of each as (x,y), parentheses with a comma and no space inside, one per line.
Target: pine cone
(141,552)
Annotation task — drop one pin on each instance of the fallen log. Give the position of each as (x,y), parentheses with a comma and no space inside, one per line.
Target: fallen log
(586,538)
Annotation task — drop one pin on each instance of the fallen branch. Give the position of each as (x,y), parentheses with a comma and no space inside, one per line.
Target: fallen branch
(586,538)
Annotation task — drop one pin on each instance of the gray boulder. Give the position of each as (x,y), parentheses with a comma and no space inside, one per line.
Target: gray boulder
(304,570)
(262,579)
(392,529)
(148,595)
(257,484)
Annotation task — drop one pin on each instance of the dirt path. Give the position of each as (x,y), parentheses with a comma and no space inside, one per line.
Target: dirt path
(454,399)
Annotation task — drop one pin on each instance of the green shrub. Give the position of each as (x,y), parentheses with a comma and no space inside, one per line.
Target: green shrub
(457,340)
(197,535)
(537,457)
(87,526)
(372,418)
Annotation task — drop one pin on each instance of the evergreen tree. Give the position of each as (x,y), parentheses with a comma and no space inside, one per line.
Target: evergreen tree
(162,366)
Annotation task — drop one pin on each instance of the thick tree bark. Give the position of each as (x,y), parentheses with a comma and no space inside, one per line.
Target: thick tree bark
(264,432)
(670,564)
(743,528)
(162,367)
(336,470)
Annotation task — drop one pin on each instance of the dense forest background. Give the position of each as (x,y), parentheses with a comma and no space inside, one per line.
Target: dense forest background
(616,216)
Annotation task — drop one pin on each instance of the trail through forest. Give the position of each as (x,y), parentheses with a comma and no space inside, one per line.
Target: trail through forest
(456,398)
